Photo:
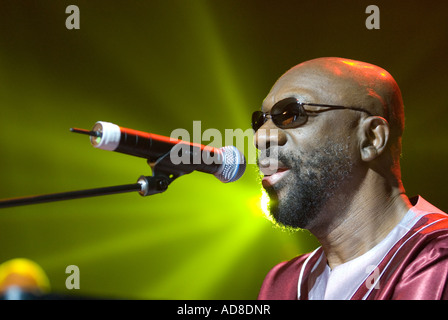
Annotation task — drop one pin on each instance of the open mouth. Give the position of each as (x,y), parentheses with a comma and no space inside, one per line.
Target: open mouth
(270,179)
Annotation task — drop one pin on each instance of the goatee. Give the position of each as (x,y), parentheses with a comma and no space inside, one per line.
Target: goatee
(297,200)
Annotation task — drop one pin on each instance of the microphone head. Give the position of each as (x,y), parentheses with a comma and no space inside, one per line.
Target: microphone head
(233,165)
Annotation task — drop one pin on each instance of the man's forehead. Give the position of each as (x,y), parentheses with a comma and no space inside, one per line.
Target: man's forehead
(326,80)
(301,94)
(305,86)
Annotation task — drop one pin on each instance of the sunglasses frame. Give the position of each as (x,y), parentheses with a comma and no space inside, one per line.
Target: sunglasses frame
(259,116)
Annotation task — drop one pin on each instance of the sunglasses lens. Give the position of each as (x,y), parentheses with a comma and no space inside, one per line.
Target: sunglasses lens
(289,114)
(258,119)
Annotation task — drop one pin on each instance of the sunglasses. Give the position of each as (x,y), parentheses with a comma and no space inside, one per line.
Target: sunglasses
(290,113)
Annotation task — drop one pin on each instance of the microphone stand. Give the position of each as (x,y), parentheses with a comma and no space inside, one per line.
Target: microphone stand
(164,172)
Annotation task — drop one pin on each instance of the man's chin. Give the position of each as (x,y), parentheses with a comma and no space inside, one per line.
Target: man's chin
(279,211)
(287,211)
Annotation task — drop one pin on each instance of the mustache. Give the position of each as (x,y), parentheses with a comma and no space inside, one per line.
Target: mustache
(270,160)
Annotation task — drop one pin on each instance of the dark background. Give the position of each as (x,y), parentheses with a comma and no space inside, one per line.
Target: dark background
(160,65)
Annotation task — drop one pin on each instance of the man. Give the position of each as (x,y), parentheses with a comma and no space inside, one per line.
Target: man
(331,128)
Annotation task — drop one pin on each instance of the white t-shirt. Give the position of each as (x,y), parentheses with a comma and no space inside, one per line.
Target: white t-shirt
(343,281)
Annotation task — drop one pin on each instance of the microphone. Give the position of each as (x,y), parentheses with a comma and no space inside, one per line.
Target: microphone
(227,163)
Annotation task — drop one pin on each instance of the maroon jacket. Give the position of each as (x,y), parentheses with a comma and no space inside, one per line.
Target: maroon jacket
(415,267)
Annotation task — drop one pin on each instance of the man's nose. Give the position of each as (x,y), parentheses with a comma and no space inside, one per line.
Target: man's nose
(268,136)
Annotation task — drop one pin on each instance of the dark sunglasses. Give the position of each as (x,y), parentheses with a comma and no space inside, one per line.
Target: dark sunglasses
(290,113)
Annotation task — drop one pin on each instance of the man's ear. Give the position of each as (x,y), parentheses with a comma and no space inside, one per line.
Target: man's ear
(374,134)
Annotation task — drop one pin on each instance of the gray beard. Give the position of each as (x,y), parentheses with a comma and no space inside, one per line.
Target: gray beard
(297,200)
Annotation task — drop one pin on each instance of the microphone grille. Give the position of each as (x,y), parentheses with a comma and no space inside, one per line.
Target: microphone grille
(233,165)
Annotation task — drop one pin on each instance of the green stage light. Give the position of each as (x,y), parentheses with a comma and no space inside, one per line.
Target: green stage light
(201,239)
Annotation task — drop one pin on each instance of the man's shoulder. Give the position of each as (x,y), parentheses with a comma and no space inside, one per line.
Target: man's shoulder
(430,235)
(432,222)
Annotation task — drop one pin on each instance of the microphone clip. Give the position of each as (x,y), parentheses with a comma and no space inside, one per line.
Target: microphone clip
(164,172)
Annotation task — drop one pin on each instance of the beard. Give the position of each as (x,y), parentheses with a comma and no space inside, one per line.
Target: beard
(299,198)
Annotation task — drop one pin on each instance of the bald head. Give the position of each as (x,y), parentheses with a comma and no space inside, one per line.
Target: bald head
(350,83)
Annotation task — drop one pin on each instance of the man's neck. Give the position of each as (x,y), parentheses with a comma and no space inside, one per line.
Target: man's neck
(361,221)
